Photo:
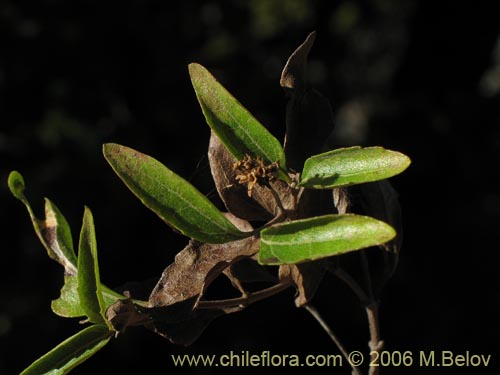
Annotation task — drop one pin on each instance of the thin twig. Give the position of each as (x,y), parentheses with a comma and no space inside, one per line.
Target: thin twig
(367,273)
(245,300)
(312,310)
(376,345)
(351,283)
(277,199)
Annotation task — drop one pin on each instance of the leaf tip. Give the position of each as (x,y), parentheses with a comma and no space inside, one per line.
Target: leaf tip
(108,148)
(406,161)
(16,185)
(87,213)
(195,69)
(390,232)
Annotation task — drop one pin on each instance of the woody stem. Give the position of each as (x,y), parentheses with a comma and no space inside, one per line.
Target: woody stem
(245,300)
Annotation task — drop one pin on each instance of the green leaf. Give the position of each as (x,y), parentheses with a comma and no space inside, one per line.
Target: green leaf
(16,185)
(89,285)
(71,352)
(68,304)
(352,165)
(236,127)
(319,237)
(171,197)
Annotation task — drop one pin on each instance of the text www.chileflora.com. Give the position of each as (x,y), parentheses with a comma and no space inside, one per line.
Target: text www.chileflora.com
(264,359)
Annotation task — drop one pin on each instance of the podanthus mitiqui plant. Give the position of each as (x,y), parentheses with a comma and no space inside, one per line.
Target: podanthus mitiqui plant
(292,212)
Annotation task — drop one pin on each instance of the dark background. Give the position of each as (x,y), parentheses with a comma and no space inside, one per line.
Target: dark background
(419,77)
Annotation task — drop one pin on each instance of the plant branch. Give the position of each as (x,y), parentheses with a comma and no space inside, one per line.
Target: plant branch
(368,277)
(375,343)
(245,300)
(312,310)
(351,283)
(280,216)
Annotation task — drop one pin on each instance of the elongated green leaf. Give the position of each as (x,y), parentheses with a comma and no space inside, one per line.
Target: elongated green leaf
(236,127)
(89,285)
(71,352)
(352,165)
(320,237)
(171,197)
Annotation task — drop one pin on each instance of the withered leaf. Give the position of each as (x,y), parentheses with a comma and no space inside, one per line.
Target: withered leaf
(309,118)
(195,267)
(233,195)
(262,206)
(180,323)
(379,200)
(172,302)
(293,76)
(341,199)
(306,277)
(124,313)
(248,270)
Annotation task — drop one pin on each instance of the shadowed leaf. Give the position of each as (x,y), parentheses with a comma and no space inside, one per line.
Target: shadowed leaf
(379,200)
(309,118)
(71,352)
(171,197)
(181,323)
(320,237)
(293,76)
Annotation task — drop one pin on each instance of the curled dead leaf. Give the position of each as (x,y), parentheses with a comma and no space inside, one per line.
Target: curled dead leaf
(309,117)
(196,266)
(306,277)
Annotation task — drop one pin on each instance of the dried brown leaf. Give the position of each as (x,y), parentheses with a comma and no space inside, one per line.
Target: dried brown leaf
(195,267)
(293,76)
(379,200)
(309,118)
(233,195)
(248,270)
(306,277)
(180,323)
(124,313)
(262,206)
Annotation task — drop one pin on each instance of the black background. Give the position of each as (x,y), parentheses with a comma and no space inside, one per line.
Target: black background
(418,77)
